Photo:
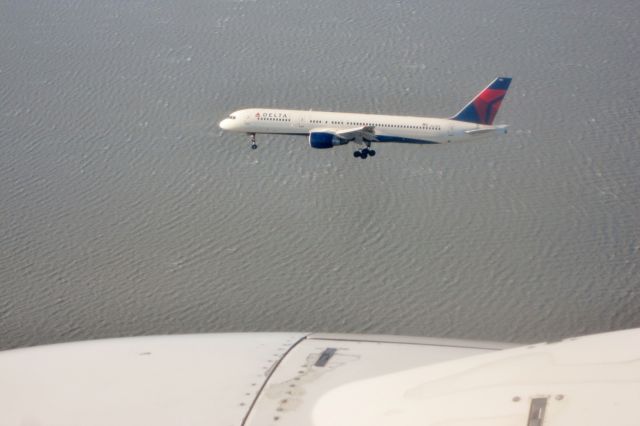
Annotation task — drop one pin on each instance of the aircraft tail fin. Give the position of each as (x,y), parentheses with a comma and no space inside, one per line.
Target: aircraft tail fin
(484,107)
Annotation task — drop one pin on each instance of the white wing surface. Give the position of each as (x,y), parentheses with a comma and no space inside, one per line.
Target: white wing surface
(287,379)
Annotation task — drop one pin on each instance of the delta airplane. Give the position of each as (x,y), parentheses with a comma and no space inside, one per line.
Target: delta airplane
(329,129)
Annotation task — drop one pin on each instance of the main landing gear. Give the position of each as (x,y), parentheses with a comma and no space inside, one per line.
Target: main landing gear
(252,139)
(364,153)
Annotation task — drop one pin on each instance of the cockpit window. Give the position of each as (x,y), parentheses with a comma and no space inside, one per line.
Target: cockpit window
(233,117)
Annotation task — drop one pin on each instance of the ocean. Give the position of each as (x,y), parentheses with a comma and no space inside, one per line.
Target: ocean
(126,210)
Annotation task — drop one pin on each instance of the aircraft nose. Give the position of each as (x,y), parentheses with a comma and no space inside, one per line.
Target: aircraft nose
(224,124)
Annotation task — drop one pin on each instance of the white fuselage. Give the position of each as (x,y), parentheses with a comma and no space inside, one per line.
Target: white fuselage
(387,128)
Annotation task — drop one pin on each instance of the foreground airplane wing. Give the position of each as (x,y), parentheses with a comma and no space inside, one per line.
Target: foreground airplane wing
(301,379)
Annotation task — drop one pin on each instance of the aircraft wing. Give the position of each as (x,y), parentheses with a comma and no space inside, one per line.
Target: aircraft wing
(300,379)
(364,132)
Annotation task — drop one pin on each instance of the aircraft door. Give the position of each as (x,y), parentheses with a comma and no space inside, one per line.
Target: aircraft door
(301,121)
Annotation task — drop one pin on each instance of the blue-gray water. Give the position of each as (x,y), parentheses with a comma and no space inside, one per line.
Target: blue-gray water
(125,210)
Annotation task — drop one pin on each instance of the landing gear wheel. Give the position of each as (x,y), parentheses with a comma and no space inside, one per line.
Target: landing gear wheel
(357,154)
(364,154)
(372,152)
(254,146)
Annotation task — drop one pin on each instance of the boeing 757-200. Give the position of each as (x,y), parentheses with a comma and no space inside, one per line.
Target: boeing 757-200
(329,129)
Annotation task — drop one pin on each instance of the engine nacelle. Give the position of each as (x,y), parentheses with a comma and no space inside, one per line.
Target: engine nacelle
(322,140)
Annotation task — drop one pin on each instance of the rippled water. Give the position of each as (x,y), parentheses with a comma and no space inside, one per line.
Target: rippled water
(126,211)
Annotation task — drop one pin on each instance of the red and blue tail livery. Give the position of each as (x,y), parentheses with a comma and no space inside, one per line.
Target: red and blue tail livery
(484,107)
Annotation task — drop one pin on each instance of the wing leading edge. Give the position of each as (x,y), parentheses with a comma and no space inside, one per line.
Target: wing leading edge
(356,134)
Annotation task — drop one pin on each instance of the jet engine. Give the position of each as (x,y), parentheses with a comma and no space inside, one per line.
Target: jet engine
(323,140)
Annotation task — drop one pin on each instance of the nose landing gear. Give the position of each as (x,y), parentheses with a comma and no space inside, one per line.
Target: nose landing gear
(252,139)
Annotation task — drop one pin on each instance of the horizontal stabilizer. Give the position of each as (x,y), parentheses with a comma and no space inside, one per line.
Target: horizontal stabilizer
(498,129)
(479,131)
